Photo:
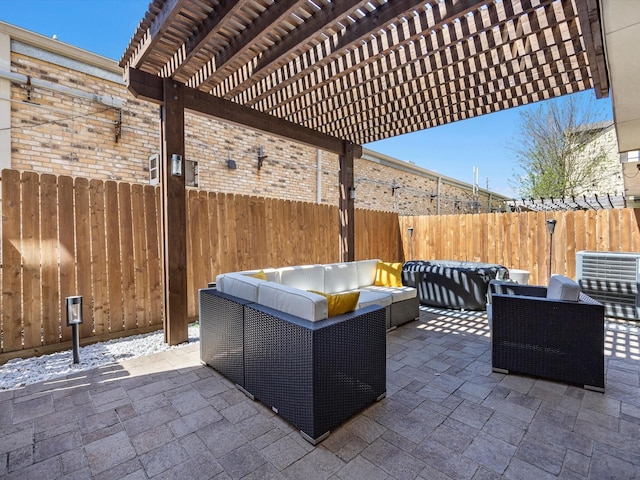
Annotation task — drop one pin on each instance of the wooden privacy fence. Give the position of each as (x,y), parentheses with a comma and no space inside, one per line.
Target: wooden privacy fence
(228,232)
(64,236)
(521,240)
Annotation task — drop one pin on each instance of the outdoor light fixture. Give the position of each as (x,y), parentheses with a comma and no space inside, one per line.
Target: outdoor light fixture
(352,193)
(551,225)
(410,230)
(176,165)
(231,164)
(74,318)
(261,157)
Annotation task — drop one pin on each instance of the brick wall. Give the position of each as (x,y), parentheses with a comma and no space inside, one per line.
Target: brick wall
(54,132)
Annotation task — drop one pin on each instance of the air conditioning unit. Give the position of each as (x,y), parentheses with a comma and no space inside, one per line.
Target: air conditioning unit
(612,278)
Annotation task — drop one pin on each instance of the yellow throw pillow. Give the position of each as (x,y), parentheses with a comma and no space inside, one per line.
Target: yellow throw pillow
(340,303)
(388,274)
(261,275)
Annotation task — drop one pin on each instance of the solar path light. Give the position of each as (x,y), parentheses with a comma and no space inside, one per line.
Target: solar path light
(74,318)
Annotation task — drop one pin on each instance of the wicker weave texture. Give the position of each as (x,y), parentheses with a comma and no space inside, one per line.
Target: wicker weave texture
(554,339)
(403,312)
(451,284)
(315,374)
(221,333)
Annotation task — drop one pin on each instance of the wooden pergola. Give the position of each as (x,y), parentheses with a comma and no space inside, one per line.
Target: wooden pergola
(338,74)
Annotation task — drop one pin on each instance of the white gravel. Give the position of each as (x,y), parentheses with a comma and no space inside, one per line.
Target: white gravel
(19,372)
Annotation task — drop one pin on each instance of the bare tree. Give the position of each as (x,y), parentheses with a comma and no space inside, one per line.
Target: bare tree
(558,150)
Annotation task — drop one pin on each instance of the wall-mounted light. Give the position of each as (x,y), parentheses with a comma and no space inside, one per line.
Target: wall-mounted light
(176,165)
(261,157)
(410,230)
(352,193)
(231,164)
(74,318)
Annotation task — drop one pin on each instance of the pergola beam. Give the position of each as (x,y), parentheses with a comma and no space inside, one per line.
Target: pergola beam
(159,26)
(591,27)
(150,87)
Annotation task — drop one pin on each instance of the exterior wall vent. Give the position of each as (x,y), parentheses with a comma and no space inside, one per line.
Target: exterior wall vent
(612,278)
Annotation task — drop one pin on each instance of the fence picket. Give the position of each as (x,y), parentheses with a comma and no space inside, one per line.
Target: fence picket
(99,273)
(11,262)
(83,254)
(66,235)
(51,318)
(127,255)
(114,259)
(31,249)
(154,254)
(140,256)
(194,235)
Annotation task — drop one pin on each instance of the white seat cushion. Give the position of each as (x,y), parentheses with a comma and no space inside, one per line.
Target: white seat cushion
(366,272)
(293,301)
(370,297)
(563,288)
(304,277)
(340,277)
(398,294)
(239,285)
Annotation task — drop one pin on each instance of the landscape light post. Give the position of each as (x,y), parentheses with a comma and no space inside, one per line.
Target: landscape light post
(551,225)
(74,318)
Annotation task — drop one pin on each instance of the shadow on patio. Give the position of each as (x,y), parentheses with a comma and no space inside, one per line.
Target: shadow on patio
(446,415)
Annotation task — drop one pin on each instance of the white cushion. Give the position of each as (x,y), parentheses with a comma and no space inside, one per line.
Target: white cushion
(273,275)
(305,277)
(300,303)
(239,285)
(370,297)
(366,272)
(398,294)
(563,288)
(340,277)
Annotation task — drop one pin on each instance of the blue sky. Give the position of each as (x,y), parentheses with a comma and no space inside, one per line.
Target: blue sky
(106,26)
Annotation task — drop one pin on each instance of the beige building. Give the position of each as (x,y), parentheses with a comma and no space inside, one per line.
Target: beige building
(66,111)
(609,180)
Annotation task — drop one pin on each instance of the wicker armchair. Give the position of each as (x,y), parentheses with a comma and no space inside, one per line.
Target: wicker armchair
(555,339)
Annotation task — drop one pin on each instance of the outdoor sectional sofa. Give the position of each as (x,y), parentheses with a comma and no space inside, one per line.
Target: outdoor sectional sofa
(452,284)
(275,339)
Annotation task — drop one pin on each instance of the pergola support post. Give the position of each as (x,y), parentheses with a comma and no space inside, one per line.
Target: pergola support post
(346,204)
(174,216)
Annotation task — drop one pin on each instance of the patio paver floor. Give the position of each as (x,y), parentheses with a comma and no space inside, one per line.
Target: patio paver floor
(446,415)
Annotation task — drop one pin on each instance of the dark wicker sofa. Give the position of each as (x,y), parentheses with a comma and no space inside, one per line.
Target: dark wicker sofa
(556,339)
(452,284)
(316,374)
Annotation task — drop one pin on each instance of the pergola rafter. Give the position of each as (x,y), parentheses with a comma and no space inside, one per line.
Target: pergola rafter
(321,64)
